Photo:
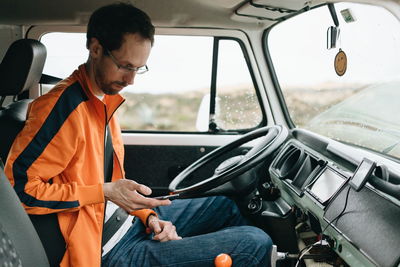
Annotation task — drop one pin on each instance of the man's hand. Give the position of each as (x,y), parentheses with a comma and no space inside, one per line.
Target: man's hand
(130,195)
(163,230)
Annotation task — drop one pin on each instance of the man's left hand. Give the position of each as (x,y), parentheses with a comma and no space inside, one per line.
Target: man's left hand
(163,230)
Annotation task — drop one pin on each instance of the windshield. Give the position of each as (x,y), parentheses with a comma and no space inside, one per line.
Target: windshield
(342,79)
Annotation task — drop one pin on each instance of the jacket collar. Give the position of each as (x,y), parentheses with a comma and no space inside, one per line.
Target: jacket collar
(110,102)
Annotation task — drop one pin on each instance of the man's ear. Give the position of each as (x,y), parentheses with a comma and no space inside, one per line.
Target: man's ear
(95,48)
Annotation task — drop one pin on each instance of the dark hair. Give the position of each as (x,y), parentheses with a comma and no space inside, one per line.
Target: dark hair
(110,23)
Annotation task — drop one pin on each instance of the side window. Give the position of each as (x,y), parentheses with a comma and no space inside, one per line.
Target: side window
(168,96)
(174,96)
(236,95)
(65,52)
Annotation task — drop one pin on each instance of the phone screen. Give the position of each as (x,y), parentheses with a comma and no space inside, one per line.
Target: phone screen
(170,197)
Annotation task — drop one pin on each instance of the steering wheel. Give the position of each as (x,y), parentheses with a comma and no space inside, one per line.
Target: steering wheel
(271,138)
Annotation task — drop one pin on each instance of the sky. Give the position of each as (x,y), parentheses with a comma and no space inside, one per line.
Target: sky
(176,63)
(297,46)
(371,43)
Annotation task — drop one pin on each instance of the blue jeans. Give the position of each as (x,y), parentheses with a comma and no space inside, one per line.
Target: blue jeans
(208,226)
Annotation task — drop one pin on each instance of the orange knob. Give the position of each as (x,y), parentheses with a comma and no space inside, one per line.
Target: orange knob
(223,260)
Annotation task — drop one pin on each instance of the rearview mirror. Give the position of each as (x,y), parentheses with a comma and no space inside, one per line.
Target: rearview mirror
(332,36)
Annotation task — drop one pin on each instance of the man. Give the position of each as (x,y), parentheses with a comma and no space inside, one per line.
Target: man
(57,165)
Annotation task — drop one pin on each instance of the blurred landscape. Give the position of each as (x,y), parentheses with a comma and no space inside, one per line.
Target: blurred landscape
(237,108)
(305,104)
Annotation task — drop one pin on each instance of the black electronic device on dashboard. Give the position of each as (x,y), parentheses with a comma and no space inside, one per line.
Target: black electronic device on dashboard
(362,173)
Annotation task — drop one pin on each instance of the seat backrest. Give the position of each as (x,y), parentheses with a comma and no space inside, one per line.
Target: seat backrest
(20,69)
(19,241)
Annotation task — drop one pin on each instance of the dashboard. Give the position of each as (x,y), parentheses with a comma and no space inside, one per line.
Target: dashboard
(356,208)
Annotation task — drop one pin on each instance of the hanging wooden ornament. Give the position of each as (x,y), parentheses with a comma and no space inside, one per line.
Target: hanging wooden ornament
(340,63)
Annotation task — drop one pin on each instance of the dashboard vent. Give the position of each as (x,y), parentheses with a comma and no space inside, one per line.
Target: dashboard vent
(296,167)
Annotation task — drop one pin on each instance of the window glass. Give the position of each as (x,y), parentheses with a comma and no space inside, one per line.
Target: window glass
(236,95)
(174,95)
(168,97)
(361,106)
(65,52)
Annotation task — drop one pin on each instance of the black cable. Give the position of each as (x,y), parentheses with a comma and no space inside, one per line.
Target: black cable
(300,255)
(306,249)
(339,215)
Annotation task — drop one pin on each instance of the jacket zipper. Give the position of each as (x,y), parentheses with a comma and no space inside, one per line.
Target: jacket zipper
(104,178)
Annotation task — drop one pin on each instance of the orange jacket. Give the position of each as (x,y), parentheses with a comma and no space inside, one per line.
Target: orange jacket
(56,163)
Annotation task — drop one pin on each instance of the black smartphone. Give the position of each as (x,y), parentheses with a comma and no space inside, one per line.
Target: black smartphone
(361,175)
(170,197)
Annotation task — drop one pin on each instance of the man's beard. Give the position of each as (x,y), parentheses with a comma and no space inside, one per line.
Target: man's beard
(107,88)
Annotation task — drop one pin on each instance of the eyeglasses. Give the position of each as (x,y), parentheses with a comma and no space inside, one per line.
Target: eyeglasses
(127,69)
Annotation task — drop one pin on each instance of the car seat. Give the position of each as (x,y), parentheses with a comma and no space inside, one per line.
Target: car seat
(20,69)
(19,243)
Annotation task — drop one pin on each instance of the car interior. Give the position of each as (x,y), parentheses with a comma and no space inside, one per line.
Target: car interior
(288,107)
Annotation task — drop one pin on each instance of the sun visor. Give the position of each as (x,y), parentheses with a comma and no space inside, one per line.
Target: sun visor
(269,10)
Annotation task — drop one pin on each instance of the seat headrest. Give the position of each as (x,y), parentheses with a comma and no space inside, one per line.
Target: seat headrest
(22,66)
